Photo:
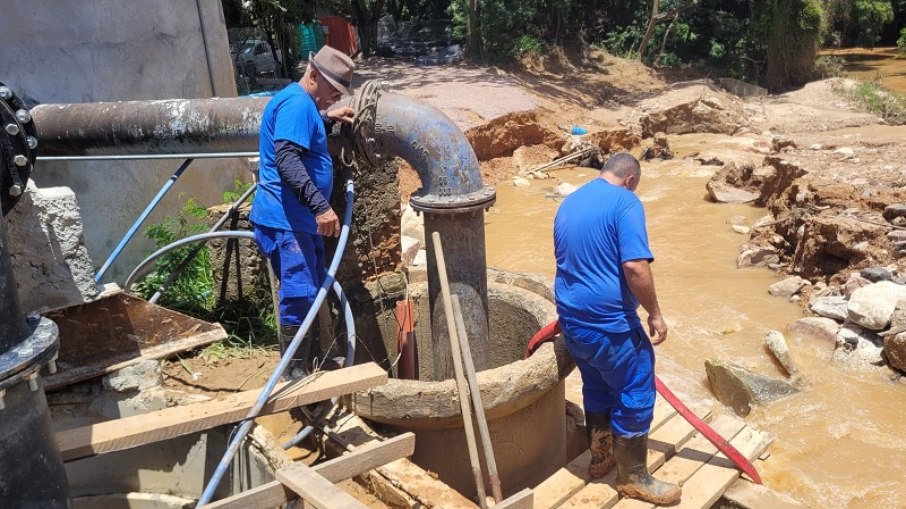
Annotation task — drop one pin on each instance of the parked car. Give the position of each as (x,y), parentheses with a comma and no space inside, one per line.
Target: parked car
(252,57)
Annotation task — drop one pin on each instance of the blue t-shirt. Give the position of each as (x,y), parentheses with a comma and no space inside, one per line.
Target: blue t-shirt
(597,228)
(291,116)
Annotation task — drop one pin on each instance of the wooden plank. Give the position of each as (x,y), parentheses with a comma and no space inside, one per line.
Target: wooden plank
(316,490)
(522,500)
(662,443)
(163,424)
(707,484)
(347,466)
(748,495)
(688,459)
(567,481)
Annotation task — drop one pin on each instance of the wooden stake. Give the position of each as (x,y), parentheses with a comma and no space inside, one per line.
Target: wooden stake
(457,367)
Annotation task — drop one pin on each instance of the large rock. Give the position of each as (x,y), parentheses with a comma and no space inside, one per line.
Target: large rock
(614,139)
(824,329)
(872,306)
(724,193)
(46,244)
(757,256)
(740,389)
(787,287)
(737,183)
(858,346)
(776,343)
(895,350)
(832,306)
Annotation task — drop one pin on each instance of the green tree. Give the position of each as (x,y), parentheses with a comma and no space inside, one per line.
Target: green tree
(790,30)
(871,17)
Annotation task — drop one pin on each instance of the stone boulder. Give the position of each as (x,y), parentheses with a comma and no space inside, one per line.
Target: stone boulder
(659,149)
(873,305)
(895,350)
(757,256)
(46,243)
(788,287)
(736,183)
(824,329)
(614,139)
(831,306)
(740,389)
(858,346)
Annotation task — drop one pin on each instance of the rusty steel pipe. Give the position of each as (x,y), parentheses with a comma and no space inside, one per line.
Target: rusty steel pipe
(170,126)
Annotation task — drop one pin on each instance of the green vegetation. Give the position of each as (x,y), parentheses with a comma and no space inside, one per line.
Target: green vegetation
(250,322)
(873,97)
(901,42)
(829,66)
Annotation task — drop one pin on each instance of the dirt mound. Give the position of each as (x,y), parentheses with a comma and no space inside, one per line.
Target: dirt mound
(699,107)
(501,136)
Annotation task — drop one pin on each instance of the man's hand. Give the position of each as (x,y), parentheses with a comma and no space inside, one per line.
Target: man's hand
(344,114)
(328,223)
(656,324)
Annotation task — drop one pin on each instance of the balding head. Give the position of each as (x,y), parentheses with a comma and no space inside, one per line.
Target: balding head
(622,170)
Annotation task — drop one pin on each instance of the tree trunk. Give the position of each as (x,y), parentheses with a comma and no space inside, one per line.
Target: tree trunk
(474,48)
(657,59)
(651,23)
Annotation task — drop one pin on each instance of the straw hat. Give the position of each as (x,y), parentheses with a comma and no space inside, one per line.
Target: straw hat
(335,66)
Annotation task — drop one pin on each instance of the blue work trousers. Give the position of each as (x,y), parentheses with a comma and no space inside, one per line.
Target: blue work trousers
(297,259)
(617,377)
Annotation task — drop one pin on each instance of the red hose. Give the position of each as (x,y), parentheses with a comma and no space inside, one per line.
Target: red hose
(550,330)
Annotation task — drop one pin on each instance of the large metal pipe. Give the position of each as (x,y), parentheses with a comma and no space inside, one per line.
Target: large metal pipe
(149,127)
(452,198)
(31,469)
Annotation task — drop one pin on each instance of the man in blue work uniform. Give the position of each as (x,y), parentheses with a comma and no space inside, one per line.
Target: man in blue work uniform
(291,211)
(603,274)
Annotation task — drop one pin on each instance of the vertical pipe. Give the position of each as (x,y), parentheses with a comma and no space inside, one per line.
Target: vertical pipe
(464,246)
(12,322)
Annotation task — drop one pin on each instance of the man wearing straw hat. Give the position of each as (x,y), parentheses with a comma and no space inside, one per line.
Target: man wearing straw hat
(291,211)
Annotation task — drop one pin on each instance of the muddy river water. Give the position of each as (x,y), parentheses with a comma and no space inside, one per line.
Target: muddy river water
(838,444)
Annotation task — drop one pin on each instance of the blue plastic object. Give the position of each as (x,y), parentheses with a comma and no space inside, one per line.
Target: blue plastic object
(578,130)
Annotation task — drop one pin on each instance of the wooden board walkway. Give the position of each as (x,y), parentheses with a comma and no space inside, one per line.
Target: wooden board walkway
(676,453)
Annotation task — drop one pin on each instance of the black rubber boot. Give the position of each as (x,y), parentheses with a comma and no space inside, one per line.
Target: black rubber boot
(297,366)
(633,479)
(600,442)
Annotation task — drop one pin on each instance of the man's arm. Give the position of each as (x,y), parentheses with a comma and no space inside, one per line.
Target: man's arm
(293,172)
(641,283)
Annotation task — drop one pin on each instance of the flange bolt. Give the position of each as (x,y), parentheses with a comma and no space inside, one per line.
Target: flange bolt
(33,381)
(52,365)
(23,116)
(12,129)
(5,93)
(32,142)
(2,399)
(20,160)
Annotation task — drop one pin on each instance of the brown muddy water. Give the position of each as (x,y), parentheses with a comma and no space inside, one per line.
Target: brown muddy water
(879,64)
(838,444)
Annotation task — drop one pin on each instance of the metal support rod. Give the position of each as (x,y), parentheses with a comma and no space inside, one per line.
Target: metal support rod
(461,386)
(489,460)
(142,157)
(141,219)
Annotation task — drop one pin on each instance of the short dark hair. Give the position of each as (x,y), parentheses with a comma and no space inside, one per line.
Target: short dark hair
(622,164)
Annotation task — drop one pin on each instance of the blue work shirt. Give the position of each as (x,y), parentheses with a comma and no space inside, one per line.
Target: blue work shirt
(291,116)
(597,228)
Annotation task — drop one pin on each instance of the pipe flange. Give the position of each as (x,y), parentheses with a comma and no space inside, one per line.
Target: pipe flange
(451,204)
(365,129)
(25,360)
(18,147)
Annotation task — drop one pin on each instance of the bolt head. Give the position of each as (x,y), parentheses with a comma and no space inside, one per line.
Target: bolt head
(23,116)
(12,129)
(5,93)
(15,190)
(32,142)
(20,160)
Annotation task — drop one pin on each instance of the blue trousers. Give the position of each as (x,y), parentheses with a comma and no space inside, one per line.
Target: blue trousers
(298,261)
(617,378)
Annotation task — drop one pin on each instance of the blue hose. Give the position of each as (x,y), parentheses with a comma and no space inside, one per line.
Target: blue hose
(246,425)
(141,219)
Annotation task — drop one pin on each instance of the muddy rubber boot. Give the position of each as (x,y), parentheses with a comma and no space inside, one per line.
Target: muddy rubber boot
(633,479)
(296,368)
(600,443)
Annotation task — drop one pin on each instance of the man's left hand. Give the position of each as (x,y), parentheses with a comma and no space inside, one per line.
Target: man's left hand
(344,114)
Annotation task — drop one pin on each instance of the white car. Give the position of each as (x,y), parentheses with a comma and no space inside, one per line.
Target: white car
(253,57)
